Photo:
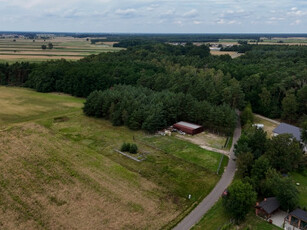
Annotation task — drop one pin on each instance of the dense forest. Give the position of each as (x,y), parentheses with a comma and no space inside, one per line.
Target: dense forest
(176,83)
(139,107)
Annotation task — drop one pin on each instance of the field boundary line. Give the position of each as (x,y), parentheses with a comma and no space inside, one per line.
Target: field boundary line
(131,157)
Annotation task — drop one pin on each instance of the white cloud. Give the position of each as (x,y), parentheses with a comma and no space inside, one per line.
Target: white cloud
(168,13)
(232,22)
(296,22)
(276,19)
(197,22)
(191,13)
(296,12)
(255,16)
(221,21)
(126,12)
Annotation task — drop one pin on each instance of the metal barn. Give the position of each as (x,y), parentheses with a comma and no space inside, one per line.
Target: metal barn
(188,128)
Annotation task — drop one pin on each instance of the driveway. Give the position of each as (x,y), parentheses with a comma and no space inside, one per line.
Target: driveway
(278,218)
(194,217)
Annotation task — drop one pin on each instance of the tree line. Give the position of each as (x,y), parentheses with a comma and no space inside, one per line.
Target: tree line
(271,78)
(141,108)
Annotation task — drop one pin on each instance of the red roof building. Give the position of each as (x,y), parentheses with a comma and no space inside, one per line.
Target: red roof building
(188,128)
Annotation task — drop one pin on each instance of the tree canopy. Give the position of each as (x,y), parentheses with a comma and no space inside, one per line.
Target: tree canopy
(239,200)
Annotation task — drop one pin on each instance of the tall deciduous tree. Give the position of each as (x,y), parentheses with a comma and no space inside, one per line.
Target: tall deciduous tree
(304,131)
(284,152)
(281,187)
(247,115)
(259,170)
(239,199)
(290,107)
(245,162)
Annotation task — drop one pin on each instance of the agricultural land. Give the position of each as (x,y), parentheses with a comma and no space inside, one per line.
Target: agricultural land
(69,48)
(59,169)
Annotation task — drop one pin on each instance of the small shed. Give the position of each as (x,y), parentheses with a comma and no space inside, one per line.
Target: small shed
(267,207)
(188,128)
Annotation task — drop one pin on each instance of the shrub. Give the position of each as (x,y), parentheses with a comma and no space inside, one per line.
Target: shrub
(125,147)
(133,148)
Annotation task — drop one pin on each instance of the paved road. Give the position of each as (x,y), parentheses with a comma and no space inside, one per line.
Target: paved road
(194,217)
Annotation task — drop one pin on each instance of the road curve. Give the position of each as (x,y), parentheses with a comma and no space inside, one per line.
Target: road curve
(194,217)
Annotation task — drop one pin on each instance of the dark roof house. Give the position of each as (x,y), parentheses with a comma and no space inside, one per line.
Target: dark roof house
(290,129)
(296,219)
(266,207)
(188,128)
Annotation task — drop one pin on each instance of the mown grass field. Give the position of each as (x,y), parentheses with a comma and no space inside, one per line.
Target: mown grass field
(216,218)
(59,169)
(301,178)
(64,47)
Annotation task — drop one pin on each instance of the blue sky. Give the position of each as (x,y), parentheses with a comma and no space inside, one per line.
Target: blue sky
(161,16)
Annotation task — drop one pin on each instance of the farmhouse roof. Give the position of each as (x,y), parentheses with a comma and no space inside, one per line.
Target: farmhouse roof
(269,205)
(290,129)
(189,125)
(300,214)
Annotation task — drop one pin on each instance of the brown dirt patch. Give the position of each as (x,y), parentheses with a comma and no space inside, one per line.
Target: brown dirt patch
(232,54)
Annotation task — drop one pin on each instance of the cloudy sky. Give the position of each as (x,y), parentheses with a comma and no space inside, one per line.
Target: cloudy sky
(160,16)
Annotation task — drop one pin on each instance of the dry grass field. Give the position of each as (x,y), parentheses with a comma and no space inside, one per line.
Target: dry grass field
(268,125)
(206,139)
(230,53)
(64,47)
(59,169)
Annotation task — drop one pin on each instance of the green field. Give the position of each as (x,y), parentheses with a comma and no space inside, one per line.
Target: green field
(59,169)
(216,218)
(301,178)
(63,47)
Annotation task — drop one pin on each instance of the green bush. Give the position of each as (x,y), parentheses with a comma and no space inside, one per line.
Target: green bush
(125,147)
(133,148)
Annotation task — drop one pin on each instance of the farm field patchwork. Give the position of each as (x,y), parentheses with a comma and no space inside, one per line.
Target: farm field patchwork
(59,169)
(63,47)
(266,41)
